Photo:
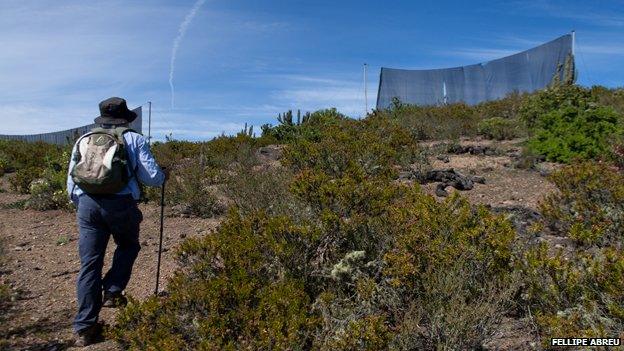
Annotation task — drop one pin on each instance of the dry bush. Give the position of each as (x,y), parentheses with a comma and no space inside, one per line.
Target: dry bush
(500,128)
(588,206)
(578,290)
(575,294)
(508,107)
(434,122)
(454,311)
(326,253)
(263,282)
(252,190)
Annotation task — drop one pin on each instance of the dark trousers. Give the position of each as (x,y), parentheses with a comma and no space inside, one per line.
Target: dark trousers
(98,218)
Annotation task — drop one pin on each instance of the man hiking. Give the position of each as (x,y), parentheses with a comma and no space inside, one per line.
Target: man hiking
(105,168)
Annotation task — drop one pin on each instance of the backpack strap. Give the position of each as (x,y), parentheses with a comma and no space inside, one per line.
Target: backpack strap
(118,133)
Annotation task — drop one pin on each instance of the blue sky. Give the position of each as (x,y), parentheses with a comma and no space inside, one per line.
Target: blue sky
(244,61)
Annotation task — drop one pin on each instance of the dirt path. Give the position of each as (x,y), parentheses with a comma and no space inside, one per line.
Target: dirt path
(42,264)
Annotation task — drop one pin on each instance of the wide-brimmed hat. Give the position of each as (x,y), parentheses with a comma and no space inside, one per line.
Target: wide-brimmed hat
(115,111)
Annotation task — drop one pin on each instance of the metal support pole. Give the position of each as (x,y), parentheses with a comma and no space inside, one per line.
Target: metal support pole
(149,123)
(162,215)
(365,91)
(573,44)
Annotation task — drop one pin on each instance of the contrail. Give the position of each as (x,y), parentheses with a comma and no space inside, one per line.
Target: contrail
(176,43)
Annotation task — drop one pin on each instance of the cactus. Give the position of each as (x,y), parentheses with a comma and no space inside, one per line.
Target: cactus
(247,131)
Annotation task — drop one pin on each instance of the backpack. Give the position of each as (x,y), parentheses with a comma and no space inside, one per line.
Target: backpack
(101,162)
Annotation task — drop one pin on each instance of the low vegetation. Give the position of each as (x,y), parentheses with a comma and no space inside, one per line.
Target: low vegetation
(321,248)
(499,128)
(580,291)
(6,296)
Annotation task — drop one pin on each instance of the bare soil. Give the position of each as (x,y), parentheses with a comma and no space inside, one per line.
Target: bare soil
(505,185)
(42,261)
(42,265)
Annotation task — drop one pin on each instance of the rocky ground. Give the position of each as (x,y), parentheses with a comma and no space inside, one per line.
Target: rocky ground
(42,261)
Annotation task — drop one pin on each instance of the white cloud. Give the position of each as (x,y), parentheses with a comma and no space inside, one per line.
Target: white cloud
(60,58)
(310,93)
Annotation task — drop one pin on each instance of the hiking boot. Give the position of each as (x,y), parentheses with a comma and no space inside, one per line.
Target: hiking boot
(89,336)
(114,300)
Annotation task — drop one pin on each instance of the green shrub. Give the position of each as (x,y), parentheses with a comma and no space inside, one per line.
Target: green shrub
(609,97)
(190,187)
(579,294)
(40,170)
(219,152)
(264,282)
(367,333)
(552,99)
(327,252)
(375,147)
(21,155)
(568,133)
(309,127)
(508,107)
(434,122)
(578,290)
(241,288)
(454,312)
(500,128)
(4,163)
(567,122)
(20,182)
(252,190)
(589,204)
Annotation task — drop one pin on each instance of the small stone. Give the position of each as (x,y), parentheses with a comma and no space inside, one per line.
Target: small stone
(441,190)
(443,158)
(478,179)
(404,175)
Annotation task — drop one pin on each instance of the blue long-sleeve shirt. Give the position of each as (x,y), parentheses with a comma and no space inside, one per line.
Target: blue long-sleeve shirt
(140,159)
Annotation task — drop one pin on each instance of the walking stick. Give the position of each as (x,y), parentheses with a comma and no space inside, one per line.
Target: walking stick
(162,215)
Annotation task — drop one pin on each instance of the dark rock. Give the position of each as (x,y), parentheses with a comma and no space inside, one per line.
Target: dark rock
(270,152)
(514,153)
(478,179)
(473,150)
(183,210)
(443,158)
(521,217)
(441,190)
(450,177)
(489,152)
(476,150)
(406,175)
